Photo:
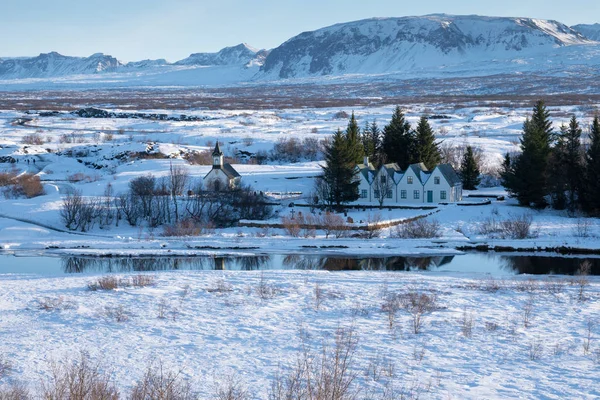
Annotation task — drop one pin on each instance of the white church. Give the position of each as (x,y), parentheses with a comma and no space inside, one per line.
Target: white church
(416,184)
(222,175)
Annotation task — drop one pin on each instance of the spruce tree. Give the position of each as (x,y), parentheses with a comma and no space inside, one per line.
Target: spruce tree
(469,170)
(591,184)
(529,182)
(355,146)
(397,142)
(339,175)
(507,174)
(572,163)
(426,148)
(558,185)
(370,139)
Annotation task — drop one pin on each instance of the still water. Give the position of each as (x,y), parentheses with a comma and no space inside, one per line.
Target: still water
(484,263)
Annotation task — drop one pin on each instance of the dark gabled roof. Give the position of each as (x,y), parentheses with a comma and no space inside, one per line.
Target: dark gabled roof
(450,174)
(367,171)
(230,171)
(217,151)
(418,170)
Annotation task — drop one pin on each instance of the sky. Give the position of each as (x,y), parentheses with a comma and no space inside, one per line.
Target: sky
(172,29)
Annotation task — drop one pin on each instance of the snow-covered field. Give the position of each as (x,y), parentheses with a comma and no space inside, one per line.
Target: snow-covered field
(488,337)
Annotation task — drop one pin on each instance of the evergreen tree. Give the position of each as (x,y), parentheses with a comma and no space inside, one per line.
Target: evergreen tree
(591,185)
(426,148)
(339,175)
(469,170)
(573,167)
(529,182)
(370,137)
(397,141)
(507,174)
(355,146)
(558,185)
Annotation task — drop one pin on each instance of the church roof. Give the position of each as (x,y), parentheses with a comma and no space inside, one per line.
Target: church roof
(217,151)
(230,171)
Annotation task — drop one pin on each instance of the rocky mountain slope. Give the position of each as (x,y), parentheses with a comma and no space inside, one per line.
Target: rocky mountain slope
(53,64)
(591,31)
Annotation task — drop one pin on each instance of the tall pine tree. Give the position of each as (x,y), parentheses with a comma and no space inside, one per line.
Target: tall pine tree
(355,146)
(573,165)
(529,181)
(397,142)
(371,140)
(469,170)
(591,185)
(426,148)
(340,180)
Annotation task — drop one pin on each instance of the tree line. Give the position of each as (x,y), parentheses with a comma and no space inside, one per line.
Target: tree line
(398,142)
(555,168)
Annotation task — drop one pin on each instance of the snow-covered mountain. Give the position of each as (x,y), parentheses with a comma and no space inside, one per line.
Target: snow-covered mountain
(242,54)
(432,46)
(591,31)
(383,45)
(48,65)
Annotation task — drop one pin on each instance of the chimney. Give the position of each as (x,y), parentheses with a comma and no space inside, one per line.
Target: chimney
(366,160)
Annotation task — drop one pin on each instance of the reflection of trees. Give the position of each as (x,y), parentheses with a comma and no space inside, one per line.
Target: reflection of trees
(132,264)
(252,263)
(536,265)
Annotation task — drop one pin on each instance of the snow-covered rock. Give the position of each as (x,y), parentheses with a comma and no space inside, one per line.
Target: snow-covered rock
(591,31)
(242,54)
(54,64)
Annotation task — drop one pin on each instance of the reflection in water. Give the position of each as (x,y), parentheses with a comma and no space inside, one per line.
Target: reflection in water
(486,263)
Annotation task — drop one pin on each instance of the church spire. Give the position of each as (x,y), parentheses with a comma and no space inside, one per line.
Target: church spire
(217,156)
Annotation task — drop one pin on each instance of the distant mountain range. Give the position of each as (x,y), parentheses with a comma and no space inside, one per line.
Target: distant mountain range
(429,46)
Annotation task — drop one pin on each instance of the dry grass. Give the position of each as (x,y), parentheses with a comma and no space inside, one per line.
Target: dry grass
(158,383)
(105,283)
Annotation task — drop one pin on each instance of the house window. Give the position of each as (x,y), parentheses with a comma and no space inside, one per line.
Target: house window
(417,194)
(363,194)
(436,180)
(376,194)
(388,194)
(403,194)
(383,179)
(409,180)
(443,195)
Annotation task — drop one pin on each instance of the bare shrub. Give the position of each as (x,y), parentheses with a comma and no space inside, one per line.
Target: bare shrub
(118,313)
(162,308)
(53,303)
(418,229)
(5,366)
(161,384)
(319,296)
(78,213)
(528,307)
(583,228)
(7,178)
(265,289)
(466,324)
(333,224)
(142,280)
(517,227)
(341,115)
(582,280)
(27,185)
(105,283)
(390,306)
(80,379)
(491,326)
(330,374)
(373,227)
(554,285)
(417,305)
(33,139)
(291,226)
(587,340)
(183,227)
(199,157)
(489,226)
(14,391)
(231,388)
(536,349)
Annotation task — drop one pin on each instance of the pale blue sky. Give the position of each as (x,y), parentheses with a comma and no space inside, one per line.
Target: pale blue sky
(172,29)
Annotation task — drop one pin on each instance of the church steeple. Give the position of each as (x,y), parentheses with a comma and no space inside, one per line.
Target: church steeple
(217,156)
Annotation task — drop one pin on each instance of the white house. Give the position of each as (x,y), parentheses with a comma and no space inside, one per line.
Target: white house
(414,185)
(221,175)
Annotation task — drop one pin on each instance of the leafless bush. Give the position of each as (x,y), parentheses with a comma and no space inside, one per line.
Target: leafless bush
(142,280)
(466,324)
(536,349)
(554,285)
(582,280)
(78,213)
(417,305)
(117,313)
(373,227)
(27,185)
(390,306)
(418,229)
(7,178)
(291,226)
(319,296)
(491,326)
(33,139)
(14,391)
(231,388)
(489,226)
(81,177)
(162,308)
(53,303)
(79,380)
(161,384)
(517,227)
(490,285)
(199,157)
(293,150)
(330,374)
(333,224)
(529,285)
(528,307)
(587,340)
(583,228)
(222,286)
(184,227)
(105,283)
(341,115)
(5,366)
(265,289)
